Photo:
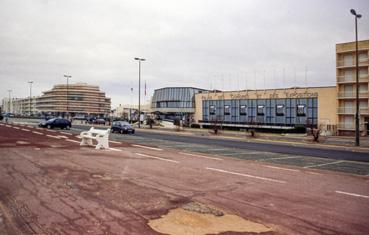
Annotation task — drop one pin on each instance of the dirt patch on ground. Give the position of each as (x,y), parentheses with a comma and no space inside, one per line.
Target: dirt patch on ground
(198,219)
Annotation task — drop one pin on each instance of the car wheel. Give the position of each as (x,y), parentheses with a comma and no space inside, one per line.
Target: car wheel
(121,131)
(48,127)
(133,132)
(67,127)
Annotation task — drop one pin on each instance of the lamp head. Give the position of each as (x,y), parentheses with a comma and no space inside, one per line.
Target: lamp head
(358,16)
(353,12)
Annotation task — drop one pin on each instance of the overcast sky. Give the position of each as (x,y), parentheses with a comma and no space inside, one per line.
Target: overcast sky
(221,44)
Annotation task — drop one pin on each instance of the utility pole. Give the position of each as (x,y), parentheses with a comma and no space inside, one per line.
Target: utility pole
(357,115)
(9,91)
(30,97)
(139,90)
(67,77)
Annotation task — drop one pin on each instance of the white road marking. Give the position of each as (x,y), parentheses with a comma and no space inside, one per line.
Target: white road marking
(201,156)
(115,142)
(38,133)
(324,164)
(66,133)
(281,168)
(217,149)
(63,137)
(114,149)
(51,130)
(31,126)
(16,127)
(146,147)
(53,136)
(158,158)
(352,194)
(8,126)
(279,158)
(25,129)
(74,141)
(247,175)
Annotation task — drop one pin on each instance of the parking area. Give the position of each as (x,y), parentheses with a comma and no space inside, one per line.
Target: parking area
(51,185)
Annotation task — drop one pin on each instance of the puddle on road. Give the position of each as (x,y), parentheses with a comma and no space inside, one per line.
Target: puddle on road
(203,220)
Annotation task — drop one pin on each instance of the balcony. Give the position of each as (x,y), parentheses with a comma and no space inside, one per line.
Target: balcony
(349,126)
(352,95)
(352,110)
(352,79)
(347,64)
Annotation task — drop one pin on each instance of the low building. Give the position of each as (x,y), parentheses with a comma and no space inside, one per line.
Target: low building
(285,109)
(175,103)
(78,100)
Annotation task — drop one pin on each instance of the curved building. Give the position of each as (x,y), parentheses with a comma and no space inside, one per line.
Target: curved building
(76,100)
(175,102)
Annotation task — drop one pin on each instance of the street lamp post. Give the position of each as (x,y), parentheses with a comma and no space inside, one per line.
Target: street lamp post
(30,97)
(357,117)
(9,91)
(67,77)
(139,90)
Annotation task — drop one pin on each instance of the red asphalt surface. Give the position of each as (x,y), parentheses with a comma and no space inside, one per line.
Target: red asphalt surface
(51,185)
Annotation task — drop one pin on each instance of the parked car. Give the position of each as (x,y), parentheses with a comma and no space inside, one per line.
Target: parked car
(99,121)
(122,127)
(56,123)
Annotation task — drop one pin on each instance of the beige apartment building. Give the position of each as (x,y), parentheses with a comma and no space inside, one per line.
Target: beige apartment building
(75,100)
(346,86)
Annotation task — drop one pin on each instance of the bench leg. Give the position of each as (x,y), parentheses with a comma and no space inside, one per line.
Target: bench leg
(86,141)
(102,143)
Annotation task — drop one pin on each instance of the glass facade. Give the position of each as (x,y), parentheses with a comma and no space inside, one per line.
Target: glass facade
(174,98)
(273,112)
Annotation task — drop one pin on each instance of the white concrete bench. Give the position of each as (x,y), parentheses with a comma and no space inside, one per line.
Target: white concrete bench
(101,136)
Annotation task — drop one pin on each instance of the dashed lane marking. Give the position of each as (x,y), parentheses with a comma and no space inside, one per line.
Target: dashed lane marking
(115,142)
(280,158)
(25,129)
(158,158)
(66,133)
(146,147)
(51,130)
(53,136)
(281,168)
(324,164)
(246,175)
(38,133)
(16,127)
(217,149)
(352,194)
(63,137)
(114,149)
(201,156)
(74,141)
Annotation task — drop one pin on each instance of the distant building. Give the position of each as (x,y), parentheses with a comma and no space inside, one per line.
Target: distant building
(175,102)
(346,86)
(78,100)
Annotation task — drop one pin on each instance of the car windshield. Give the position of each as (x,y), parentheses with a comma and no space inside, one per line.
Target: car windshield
(51,120)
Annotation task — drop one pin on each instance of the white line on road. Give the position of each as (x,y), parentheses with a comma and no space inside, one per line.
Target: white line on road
(66,133)
(16,127)
(53,136)
(146,147)
(25,129)
(63,137)
(38,133)
(352,194)
(280,158)
(217,149)
(324,164)
(51,130)
(201,156)
(115,142)
(281,168)
(74,141)
(158,158)
(114,149)
(247,175)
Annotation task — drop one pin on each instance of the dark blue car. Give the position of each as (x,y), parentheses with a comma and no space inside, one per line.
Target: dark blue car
(122,127)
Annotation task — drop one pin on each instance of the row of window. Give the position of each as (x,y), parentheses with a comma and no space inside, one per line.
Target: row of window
(279,110)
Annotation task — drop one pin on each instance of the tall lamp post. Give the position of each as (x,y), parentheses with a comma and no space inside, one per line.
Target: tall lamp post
(139,90)
(67,77)
(30,97)
(9,91)
(357,117)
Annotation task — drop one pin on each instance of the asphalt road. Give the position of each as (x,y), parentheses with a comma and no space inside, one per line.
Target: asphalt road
(347,155)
